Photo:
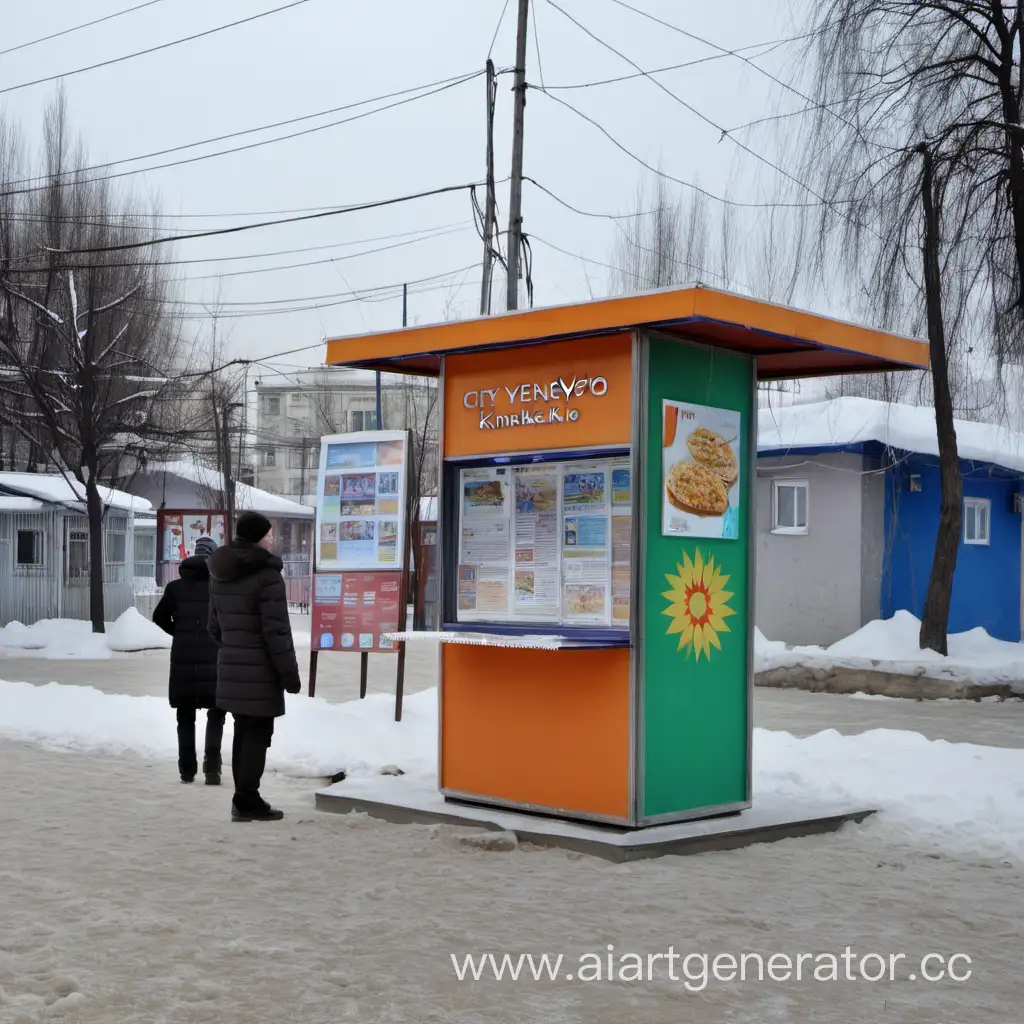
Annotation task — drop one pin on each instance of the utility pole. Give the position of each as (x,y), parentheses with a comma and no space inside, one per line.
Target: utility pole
(490,203)
(515,211)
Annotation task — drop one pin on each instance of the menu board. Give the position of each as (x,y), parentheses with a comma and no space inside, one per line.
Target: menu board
(702,457)
(351,610)
(546,543)
(361,500)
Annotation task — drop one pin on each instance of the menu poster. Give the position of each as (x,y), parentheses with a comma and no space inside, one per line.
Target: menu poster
(182,530)
(352,610)
(546,543)
(484,544)
(361,498)
(536,580)
(702,457)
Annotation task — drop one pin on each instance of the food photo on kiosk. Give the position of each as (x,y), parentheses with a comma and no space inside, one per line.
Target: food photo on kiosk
(595,533)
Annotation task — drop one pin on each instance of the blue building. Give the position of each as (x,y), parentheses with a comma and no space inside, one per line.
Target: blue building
(848,510)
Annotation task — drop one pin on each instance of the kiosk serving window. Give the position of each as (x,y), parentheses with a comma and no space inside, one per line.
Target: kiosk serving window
(545,543)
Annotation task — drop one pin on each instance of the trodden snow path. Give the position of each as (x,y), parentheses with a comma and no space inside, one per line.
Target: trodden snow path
(952,796)
(127,897)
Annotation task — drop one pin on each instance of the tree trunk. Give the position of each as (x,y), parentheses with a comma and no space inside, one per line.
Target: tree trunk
(94,507)
(935,618)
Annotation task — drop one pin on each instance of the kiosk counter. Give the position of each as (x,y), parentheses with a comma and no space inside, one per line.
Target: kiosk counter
(596,542)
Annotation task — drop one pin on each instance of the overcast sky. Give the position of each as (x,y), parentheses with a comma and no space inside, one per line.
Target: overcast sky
(328,53)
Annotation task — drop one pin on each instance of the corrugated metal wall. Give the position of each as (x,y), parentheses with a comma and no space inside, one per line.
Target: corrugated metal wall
(56,583)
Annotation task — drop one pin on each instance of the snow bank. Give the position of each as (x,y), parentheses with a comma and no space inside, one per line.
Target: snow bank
(314,739)
(891,645)
(74,638)
(951,796)
(134,632)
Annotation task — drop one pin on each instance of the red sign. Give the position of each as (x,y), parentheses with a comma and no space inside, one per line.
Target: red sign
(352,609)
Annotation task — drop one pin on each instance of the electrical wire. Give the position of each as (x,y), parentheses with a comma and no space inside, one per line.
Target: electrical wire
(689,106)
(664,174)
(256,145)
(585,213)
(453,80)
(153,49)
(438,229)
(267,223)
(771,44)
(497,29)
(87,24)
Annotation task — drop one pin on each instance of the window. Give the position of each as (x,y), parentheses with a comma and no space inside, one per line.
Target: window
(296,398)
(295,485)
(363,419)
(78,554)
(270,458)
(789,506)
(977,513)
(296,458)
(116,548)
(30,548)
(273,405)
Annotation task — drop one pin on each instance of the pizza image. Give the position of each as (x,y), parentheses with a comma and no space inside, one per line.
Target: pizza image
(694,488)
(712,451)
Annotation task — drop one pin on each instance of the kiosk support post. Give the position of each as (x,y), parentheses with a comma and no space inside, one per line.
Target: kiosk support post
(312,672)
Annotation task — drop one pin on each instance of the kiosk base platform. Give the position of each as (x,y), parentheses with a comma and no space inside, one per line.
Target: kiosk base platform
(404,802)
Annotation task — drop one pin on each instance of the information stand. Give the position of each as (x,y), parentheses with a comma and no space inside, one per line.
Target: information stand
(361,576)
(596,542)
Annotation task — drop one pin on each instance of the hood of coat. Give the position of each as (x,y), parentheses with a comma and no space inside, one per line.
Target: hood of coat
(241,559)
(194,568)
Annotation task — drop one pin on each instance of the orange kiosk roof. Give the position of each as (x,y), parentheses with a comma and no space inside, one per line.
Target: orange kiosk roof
(788,343)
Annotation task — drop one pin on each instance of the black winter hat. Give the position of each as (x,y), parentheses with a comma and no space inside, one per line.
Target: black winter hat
(253,527)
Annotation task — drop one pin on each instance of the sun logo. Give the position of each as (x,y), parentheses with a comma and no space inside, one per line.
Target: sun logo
(698,605)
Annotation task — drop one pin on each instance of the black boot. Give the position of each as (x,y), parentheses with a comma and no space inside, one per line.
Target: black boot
(211,770)
(187,770)
(257,810)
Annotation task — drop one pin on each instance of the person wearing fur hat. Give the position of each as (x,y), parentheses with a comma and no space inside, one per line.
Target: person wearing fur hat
(183,612)
(256,664)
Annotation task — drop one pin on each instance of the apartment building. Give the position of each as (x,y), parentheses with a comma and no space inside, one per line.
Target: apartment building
(295,409)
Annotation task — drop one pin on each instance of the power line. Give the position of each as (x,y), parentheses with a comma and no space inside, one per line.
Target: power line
(87,24)
(316,263)
(454,80)
(152,49)
(689,106)
(771,44)
(438,229)
(664,174)
(269,223)
(815,105)
(497,29)
(585,213)
(255,145)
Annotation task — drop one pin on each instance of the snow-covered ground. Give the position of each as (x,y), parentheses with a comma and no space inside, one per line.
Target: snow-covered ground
(891,645)
(954,796)
(126,896)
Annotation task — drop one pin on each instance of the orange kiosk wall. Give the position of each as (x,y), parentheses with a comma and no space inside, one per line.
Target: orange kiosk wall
(509,734)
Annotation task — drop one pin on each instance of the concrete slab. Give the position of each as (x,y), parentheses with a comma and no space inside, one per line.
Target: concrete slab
(411,802)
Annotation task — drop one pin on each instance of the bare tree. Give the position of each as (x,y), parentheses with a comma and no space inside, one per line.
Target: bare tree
(87,345)
(915,149)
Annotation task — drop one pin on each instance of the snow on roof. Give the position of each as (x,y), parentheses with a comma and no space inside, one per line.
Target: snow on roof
(53,487)
(12,504)
(849,421)
(246,498)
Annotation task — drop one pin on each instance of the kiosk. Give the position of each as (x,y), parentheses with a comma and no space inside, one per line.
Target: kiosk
(597,542)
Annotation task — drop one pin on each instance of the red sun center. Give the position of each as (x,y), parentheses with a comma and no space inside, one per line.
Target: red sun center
(698,604)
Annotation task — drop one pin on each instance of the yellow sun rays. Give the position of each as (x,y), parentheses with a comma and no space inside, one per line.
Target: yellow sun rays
(698,605)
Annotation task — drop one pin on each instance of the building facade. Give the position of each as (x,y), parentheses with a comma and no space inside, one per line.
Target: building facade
(294,410)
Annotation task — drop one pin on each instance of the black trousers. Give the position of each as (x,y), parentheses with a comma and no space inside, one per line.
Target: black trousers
(187,740)
(249,758)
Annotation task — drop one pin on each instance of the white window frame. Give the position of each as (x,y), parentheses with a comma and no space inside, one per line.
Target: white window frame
(270,458)
(273,405)
(791,531)
(978,504)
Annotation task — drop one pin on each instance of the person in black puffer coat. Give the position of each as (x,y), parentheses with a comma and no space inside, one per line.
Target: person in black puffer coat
(183,612)
(256,663)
